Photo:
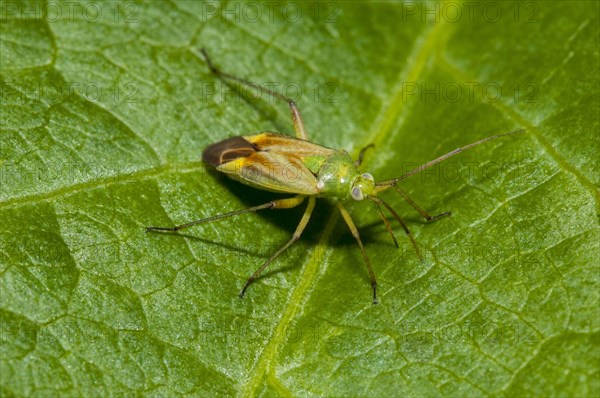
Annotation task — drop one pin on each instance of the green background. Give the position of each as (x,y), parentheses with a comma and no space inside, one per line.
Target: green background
(106,108)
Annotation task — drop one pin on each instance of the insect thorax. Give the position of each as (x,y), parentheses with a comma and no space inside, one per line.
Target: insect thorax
(336,175)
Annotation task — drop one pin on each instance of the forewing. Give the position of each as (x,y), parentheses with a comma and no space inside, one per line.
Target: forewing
(270,161)
(227,150)
(272,171)
(287,145)
(310,154)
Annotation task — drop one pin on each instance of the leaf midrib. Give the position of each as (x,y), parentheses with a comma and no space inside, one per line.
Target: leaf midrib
(385,123)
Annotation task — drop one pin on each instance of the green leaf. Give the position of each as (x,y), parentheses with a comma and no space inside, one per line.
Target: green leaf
(106,108)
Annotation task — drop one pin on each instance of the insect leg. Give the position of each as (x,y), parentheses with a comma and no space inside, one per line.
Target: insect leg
(296,117)
(380,201)
(387,223)
(358,161)
(421,211)
(356,235)
(274,204)
(295,237)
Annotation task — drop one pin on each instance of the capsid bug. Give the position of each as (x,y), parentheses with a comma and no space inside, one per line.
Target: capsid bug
(294,165)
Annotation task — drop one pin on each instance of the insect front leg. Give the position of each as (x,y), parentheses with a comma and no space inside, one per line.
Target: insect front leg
(359,161)
(419,209)
(379,202)
(296,117)
(356,235)
(387,223)
(301,226)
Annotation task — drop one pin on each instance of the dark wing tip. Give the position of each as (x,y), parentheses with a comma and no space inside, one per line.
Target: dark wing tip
(227,150)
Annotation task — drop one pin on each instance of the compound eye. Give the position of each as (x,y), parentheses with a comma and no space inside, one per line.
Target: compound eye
(357,193)
(367,176)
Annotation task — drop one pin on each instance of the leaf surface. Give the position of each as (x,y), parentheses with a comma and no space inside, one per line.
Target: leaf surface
(104,118)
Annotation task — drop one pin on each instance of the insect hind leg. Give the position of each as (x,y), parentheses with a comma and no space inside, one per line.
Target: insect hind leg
(296,117)
(287,203)
(299,229)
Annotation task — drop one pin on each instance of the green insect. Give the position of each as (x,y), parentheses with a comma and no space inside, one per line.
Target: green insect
(284,164)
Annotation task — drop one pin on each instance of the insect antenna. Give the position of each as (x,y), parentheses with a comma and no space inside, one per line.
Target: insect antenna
(379,202)
(386,184)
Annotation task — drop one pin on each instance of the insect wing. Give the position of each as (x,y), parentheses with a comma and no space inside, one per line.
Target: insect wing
(287,145)
(272,171)
(227,150)
(270,161)
(312,155)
